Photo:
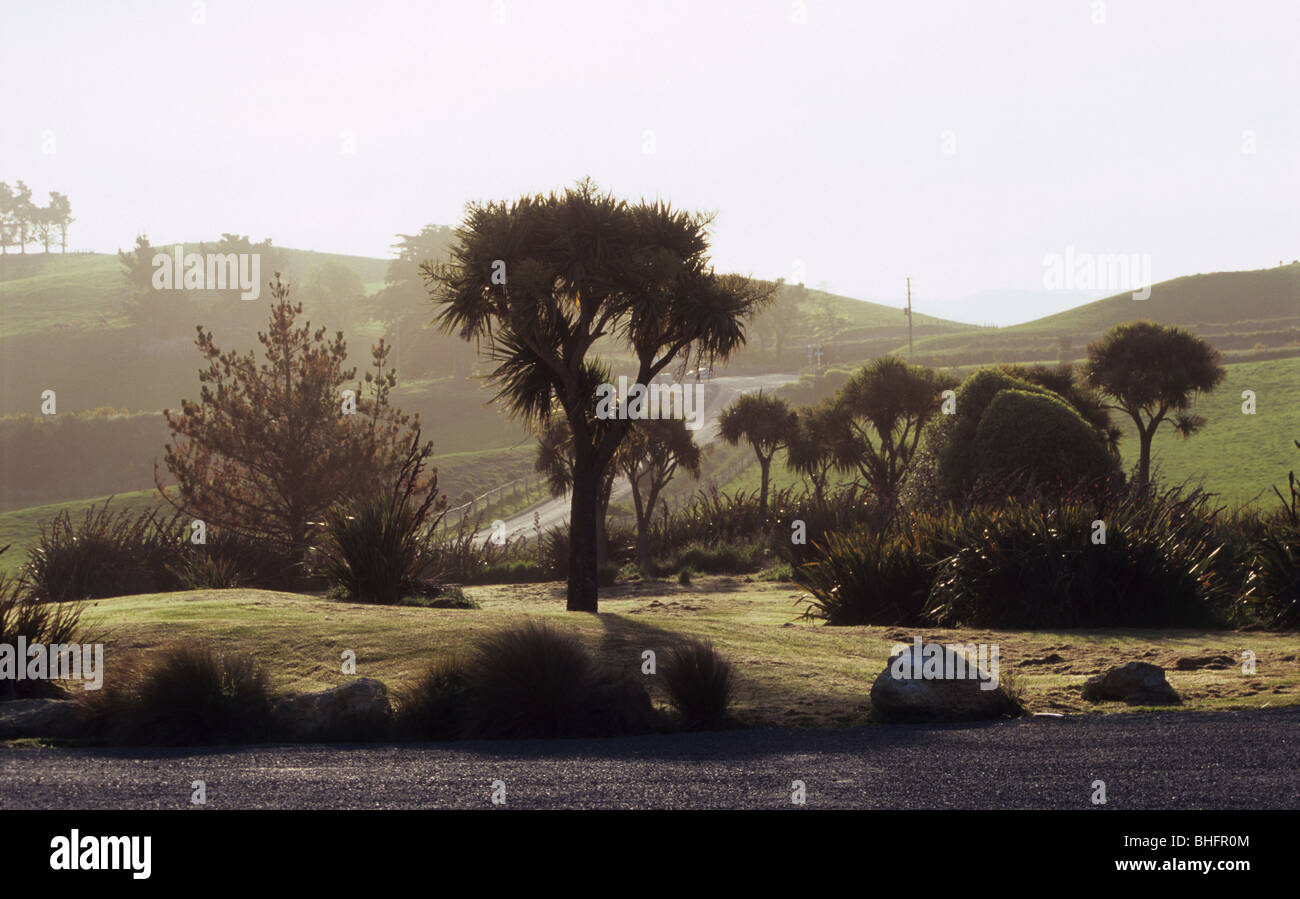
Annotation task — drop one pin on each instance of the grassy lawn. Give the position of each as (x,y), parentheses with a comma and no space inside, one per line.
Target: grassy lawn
(792,672)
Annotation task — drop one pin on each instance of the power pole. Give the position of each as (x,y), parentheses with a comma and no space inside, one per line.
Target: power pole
(909,318)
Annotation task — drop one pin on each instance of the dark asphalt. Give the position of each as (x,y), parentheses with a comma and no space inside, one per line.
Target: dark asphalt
(1177,760)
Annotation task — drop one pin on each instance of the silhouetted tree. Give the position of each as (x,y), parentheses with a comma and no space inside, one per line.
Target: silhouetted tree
(421,349)
(22,210)
(8,218)
(782,319)
(766,423)
(61,216)
(1153,372)
(541,280)
(335,292)
(649,457)
(156,311)
(820,442)
(43,226)
(885,406)
(270,446)
(555,461)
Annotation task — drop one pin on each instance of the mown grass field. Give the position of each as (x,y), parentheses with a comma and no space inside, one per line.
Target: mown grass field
(791,672)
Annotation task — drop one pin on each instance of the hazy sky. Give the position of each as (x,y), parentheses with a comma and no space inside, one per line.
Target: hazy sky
(955,142)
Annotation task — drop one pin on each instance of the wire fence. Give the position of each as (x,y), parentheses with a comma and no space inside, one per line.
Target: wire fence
(524,486)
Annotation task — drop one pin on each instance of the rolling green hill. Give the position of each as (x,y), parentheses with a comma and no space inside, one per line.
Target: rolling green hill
(42,293)
(1242,313)
(1196,301)
(52,292)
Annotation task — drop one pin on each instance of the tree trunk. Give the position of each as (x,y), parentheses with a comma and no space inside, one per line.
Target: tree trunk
(643,513)
(602,532)
(583,515)
(1144,457)
(764,464)
(643,547)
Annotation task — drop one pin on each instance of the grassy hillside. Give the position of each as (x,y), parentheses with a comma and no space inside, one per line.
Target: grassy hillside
(1238,456)
(1239,312)
(1194,301)
(53,293)
(50,293)
(60,328)
(865,314)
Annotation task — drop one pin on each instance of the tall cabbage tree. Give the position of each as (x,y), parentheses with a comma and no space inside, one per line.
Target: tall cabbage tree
(538,282)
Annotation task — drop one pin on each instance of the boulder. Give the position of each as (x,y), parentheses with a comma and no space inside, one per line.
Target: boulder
(38,718)
(354,712)
(902,693)
(1137,683)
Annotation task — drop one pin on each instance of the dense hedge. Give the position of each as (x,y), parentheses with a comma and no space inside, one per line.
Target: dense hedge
(1039,437)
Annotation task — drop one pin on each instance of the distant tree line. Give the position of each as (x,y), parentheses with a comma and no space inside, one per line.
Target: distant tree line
(73,455)
(23,222)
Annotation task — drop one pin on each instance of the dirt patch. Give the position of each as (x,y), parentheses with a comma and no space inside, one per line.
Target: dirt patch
(1045,660)
(1195,663)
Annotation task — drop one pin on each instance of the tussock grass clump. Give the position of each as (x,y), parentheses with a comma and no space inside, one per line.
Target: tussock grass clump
(1273,585)
(200,571)
(187,693)
(525,680)
(377,547)
(529,681)
(741,558)
(717,519)
(22,616)
(866,578)
(1033,564)
(230,559)
(105,554)
(373,549)
(518,571)
(435,707)
(1036,567)
(700,684)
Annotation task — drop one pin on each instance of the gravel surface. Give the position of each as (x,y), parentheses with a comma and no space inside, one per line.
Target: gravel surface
(1178,760)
